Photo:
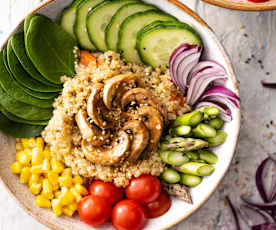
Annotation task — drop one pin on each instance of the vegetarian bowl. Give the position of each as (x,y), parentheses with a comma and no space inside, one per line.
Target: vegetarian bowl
(113,95)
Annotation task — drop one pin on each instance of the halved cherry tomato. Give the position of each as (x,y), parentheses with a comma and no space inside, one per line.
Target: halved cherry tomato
(106,190)
(144,189)
(94,210)
(159,206)
(128,215)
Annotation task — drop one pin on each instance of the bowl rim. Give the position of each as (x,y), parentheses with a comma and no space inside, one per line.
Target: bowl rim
(194,15)
(242,6)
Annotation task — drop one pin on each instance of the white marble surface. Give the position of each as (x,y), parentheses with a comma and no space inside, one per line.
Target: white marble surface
(243,35)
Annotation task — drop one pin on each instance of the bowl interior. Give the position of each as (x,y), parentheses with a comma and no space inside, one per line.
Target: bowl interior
(244,5)
(180,210)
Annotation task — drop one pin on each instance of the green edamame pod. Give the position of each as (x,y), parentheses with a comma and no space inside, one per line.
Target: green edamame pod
(192,155)
(211,111)
(183,130)
(190,119)
(196,168)
(204,131)
(177,158)
(218,139)
(171,176)
(190,180)
(208,156)
(216,123)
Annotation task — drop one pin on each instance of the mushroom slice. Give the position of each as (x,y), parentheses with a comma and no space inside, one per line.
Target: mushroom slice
(96,108)
(139,135)
(153,121)
(109,155)
(115,88)
(91,132)
(142,96)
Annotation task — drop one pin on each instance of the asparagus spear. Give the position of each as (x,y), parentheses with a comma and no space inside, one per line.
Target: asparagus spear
(190,180)
(216,123)
(190,119)
(204,131)
(196,168)
(170,176)
(183,130)
(208,156)
(218,139)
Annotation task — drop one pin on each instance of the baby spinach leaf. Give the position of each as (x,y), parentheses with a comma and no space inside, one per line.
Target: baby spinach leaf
(50,49)
(19,130)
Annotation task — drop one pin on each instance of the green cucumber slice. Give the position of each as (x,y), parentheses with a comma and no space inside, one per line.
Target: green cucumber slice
(80,23)
(28,91)
(156,43)
(12,88)
(23,110)
(18,46)
(68,17)
(131,26)
(53,53)
(112,29)
(98,18)
(19,130)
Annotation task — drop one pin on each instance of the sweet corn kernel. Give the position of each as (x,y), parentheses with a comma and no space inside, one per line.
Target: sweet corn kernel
(57,207)
(77,179)
(67,172)
(46,165)
(23,157)
(56,165)
(73,206)
(47,153)
(37,157)
(19,146)
(66,181)
(35,188)
(58,194)
(37,169)
(68,212)
(39,143)
(76,194)
(16,167)
(34,178)
(53,178)
(67,197)
(81,189)
(25,175)
(47,189)
(25,143)
(42,202)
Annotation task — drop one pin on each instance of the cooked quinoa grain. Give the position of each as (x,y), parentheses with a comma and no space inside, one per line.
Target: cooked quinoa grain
(62,133)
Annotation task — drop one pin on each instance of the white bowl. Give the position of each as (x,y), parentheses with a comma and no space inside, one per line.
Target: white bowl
(179,210)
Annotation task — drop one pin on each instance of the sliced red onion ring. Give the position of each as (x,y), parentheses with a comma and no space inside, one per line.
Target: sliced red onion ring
(221,91)
(263,206)
(268,84)
(234,213)
(266,226)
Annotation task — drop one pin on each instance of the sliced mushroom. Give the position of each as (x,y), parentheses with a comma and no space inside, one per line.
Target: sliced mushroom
(142,96)
(115,88)
(96,108)
(153,121)
(91,132)
(109,155)
(139,135)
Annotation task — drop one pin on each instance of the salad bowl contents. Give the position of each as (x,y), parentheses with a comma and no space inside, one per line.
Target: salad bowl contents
(118,115)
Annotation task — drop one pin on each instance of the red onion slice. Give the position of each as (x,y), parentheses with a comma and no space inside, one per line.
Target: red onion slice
(263,206)
(234,213)
(266,226)
(268,84)
(221,91)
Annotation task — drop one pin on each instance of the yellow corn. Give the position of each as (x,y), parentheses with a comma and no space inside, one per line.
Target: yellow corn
(37,157)
(67,197)
(78,197)
(46,165)
(53,178)
(68,212)
(47,153)
(67,172)
(25,143)
(35,188)
(47,189)
(57,207)
(42,202)
(18,146)
(34,178)
(25,175)
(23,157)
(65,181)
(58,194)
(81,189)
(73,206)
(16,167)
(39,143)
(37,169)
(56,165)
(77,179)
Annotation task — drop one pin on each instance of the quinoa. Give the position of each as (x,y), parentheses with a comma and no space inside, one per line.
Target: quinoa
(62,133)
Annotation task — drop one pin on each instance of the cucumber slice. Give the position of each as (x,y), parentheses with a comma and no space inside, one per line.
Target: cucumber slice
(98,18)
(68,18)
(130,27)
(112,29)
(156,43)
(80,23)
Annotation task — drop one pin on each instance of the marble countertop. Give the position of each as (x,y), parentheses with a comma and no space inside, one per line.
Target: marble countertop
(249,38)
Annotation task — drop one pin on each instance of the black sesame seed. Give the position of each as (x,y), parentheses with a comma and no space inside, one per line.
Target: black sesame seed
(267,73)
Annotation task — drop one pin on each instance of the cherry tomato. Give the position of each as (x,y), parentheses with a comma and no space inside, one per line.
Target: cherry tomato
(144,189)
(159,206)
(128,215)
(106,190)
(94,210)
